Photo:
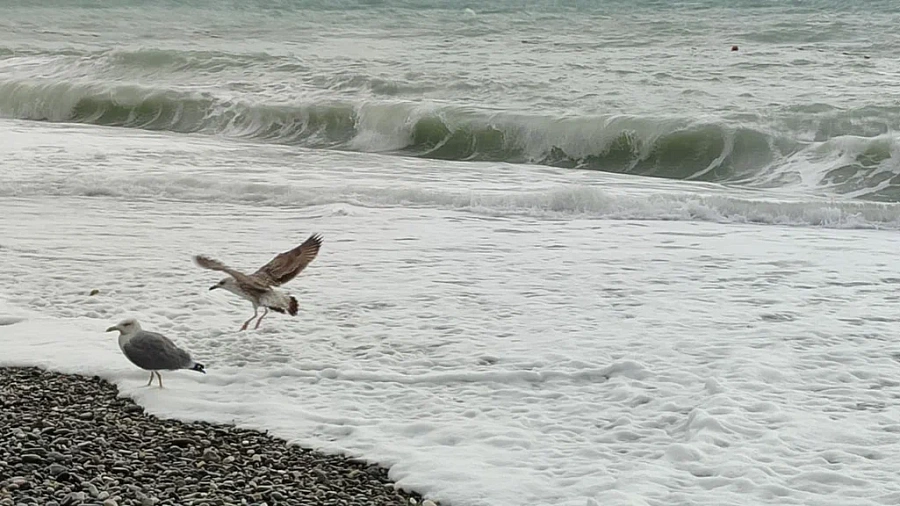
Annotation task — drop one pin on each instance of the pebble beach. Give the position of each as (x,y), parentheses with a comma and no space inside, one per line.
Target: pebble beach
(69,440)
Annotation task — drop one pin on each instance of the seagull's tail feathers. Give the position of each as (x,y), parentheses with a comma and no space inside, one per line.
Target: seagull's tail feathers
(197,366)
(287,305)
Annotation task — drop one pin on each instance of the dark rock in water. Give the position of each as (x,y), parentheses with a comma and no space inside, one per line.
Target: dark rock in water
(69,440)
(94,292)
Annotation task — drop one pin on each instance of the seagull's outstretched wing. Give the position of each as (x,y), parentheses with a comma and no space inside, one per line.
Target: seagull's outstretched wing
(285,266)
(246,282)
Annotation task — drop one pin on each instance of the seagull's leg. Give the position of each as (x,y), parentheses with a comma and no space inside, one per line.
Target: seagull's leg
(159,377)
(261,317)
(151,379)
(255,312)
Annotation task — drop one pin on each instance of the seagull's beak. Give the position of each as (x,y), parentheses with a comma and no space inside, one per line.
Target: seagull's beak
(213,287)
(114,327)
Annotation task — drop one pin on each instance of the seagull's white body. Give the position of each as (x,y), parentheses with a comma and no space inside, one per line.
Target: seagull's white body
(269,298)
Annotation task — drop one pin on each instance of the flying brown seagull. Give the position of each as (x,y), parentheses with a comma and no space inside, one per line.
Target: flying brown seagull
(258,287)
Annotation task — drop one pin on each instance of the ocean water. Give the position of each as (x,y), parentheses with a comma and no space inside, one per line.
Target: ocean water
(575,253)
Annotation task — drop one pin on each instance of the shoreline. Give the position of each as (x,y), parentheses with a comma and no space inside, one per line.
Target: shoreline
(68,439)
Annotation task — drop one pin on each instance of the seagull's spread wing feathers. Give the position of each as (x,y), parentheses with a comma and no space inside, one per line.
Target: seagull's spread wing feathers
(247,283)
(155,352)
(285,266)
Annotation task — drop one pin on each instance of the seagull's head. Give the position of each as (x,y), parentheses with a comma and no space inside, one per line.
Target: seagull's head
(228,284)
(127,326)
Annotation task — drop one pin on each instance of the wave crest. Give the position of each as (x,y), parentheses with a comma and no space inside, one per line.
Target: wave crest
(674,148)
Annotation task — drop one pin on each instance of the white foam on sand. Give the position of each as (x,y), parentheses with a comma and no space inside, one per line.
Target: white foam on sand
(489,360)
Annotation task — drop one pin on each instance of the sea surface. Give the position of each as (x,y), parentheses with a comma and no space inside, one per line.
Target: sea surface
(575,252)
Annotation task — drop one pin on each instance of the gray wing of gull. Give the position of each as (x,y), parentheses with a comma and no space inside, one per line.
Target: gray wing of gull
(155,352)
(286,266)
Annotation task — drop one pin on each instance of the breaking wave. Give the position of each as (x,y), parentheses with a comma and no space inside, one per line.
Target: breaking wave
(847,153)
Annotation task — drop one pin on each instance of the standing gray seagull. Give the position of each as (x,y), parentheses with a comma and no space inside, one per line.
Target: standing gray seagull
(151,351)
(258,287)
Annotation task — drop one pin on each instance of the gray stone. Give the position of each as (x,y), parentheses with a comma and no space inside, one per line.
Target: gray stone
(73,498)
(320,475)
(56,469)
(17,481)
(211,455)
(56,456)
(31,458)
